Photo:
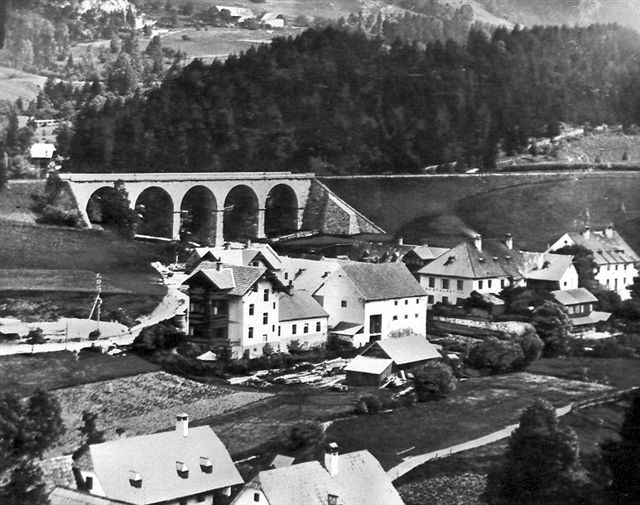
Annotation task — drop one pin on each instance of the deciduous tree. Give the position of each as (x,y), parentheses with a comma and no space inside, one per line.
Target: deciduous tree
(434,381)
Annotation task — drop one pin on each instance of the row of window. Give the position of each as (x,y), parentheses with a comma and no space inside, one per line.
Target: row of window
(406,302)
(446,283)
(294,327)
(252,308)
(406,316)
(626,266)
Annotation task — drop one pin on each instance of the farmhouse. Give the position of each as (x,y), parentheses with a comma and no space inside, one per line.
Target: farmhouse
(237,14)
(617,262)
(41,154)
(370,300)
(579,304)
(235,306)
(301,318)
(188,465)
(355,478)
(389,356)
(271,20)
(550,271)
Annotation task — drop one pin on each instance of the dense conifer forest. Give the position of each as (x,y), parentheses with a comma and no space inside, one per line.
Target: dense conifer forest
(338,101)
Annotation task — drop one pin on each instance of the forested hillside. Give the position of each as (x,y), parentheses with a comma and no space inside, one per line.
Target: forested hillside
(335,101)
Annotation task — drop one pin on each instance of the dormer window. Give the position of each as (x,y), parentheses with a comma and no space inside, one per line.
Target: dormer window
(135,479)
(182,469)
(205,465)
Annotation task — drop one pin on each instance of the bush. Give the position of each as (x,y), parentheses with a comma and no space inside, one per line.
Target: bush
(294,346)
(36,336)
(267,350)
(58,217)
(433,381)
(159,337)
(368,404)
(94,335)
(531,345)
(496,356)
(306,435)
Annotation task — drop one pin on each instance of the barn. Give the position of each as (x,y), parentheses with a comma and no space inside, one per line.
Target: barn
(366,371)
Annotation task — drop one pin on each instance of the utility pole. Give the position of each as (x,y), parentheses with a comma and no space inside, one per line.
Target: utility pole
(97,304)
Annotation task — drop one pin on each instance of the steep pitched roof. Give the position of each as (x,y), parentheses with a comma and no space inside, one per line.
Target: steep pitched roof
(307,274)
(233,279)
(495,260)
(299,305)
(547,266)
(606,249)
(573,296)
(242,256)
(407,349)
(360,479)
(382,281)
(154,458)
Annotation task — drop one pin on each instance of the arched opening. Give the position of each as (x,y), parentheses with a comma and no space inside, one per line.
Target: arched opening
(155,207)
(240,214)
(100,207)
(198,219)
(281,211)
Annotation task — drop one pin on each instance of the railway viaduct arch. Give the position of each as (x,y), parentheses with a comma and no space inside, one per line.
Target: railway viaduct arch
(219,202)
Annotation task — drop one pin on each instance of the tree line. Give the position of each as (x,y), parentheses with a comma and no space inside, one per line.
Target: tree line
(339,101)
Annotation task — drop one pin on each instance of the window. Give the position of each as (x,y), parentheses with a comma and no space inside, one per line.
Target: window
(294,329)
(445,283)
(502,282)
(252,309)
(416,316)
(430,299)
(445,300)
(273,327)
(274,305)
(460,285)
(480,284)
(200,498)
(395,318)
(266,295)
(305,329)
(343,304)
(432,282)
(318,326)
(406,302)
(265,318)
(489,283)
(395,302)
(406,316)
(417,301)
(256,496)
(286,276)
(250,331)
(279,330)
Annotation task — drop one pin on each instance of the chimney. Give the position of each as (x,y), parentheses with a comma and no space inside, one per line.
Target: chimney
(539,261)
(290,286)
(226,246)
(247,243)
(508,241)
(332,499)
(135,479)
(218,265)
(586,232)
(400,241)
(608,231)
(477,241)
(182,424)
(331,459)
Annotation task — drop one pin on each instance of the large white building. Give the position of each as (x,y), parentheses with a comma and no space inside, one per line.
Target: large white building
(617,262)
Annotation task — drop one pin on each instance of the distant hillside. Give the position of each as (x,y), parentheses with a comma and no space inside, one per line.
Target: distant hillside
(534,208)
(569,12)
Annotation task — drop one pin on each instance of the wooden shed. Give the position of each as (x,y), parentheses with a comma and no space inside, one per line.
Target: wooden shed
(368,371)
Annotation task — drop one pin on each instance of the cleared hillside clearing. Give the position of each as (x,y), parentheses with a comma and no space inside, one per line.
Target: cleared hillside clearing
(16,84)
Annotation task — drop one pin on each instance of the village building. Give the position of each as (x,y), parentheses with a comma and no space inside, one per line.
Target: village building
(580,303)
(617,262)
(354,478)
(307,274)
(271,20)
(67,496)
(550,271)
(41,156)
(484,266)
(367,301)
(248,254)
(237,14)
(179,467)
(387,357)
(420,256)
(303,319)
(233,306)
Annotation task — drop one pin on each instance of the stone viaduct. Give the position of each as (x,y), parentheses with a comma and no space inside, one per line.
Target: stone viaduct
(213,197)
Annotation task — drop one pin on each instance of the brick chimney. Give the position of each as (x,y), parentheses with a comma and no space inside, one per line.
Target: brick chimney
(182,424)
(508,241)
(608,231)
(331,459)
(477,241)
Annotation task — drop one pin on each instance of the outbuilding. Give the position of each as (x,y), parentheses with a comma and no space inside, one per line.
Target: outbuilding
(367,371)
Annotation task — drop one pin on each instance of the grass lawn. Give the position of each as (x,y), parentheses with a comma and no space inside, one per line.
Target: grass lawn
(478,407)
(618,372)
(22,373)
(17,84)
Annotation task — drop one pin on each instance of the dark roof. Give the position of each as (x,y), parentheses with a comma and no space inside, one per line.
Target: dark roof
(299,305)
(466,261)
(234,279)
(606,250)
(382,281)
(154,458)
(573,296)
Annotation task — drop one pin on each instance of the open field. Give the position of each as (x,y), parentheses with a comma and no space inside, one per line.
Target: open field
(620,373)
(16,84)
(16,198)
(442,210)
(477,408)
(145,403)
(22,373)
(83,281)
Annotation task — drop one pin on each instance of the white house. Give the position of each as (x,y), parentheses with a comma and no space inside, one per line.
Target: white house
(367,301)
(306,274)
(249,254)
(301,318)
(617,262)
(235,306)
(187,466)
(355,478)
(271,20)
(485,266)
(550,271)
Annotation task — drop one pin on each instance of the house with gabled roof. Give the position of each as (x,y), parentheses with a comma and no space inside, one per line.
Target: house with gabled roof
(183,466)
(580,304)
(550,271)
(617,263)
(233,306)
(367,301)
(301,318)
(249,254)
(354,478)
(421,255)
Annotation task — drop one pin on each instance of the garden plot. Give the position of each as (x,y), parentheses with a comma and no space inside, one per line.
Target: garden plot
(144,404)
